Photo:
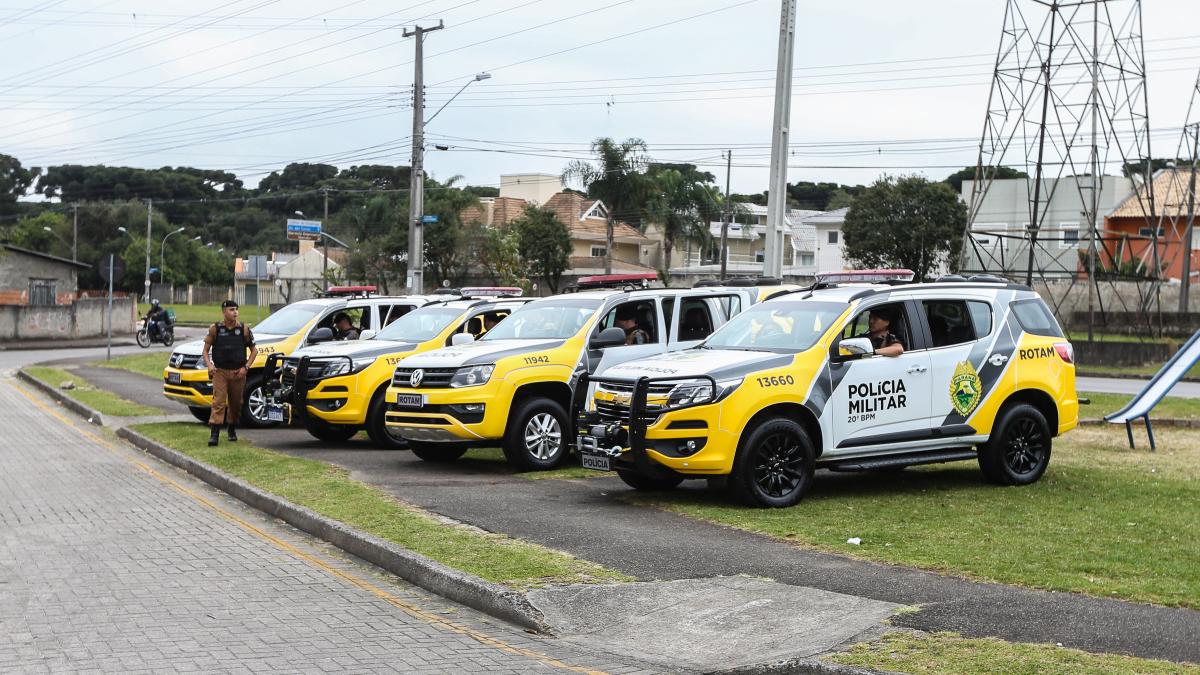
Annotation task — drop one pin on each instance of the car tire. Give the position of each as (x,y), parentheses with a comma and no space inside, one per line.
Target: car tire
(255,398)
(330,433)
(377,427)
(441,453)
(1018,451)
(201,414)
(639,481)
(774,466)
(536,438)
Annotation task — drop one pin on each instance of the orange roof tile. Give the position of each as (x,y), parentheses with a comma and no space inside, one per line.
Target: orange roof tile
(1170,197)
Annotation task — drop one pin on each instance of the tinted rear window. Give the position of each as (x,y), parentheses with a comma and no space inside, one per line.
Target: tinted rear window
(1036,319)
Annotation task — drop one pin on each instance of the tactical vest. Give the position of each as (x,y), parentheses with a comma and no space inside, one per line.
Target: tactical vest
(229,349)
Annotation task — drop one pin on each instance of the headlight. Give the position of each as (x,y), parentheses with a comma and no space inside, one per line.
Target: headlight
(344,367)
(472,376)
(692,393)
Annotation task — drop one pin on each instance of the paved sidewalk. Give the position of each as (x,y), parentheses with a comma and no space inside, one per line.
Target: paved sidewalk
(112,561)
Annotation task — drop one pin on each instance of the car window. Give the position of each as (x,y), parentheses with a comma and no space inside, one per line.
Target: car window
(949,322)
(420,325)
(643,314)
(731,305)
(552,318)
(981,317)
(860,326)
(289,319)
(697,320)
(1035,318)
(393,312)
(784,327)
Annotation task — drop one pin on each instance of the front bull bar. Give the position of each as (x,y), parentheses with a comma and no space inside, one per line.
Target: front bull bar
(297,395)
(594,432)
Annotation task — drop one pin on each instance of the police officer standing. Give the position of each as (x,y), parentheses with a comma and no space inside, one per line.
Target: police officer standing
(228,351)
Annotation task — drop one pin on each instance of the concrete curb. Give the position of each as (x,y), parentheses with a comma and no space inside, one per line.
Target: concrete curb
(1165,422)
(91,415)
(494,599)
(808,666)
(1126,376)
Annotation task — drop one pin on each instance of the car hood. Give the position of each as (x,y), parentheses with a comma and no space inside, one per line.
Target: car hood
(720,364)
(358,349)
(196,347)
(486,351)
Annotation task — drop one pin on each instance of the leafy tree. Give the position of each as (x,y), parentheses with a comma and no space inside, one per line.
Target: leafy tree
(29,233)
(840,199)
(683,203)
(617,178)
(15,181)
(1131,169)
(955,180)
(545,244)
(498,252)
(806,195)
(905,222)
(447,249)
(481,191)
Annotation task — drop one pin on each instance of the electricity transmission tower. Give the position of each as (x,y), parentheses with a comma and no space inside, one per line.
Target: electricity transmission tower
(1067,107)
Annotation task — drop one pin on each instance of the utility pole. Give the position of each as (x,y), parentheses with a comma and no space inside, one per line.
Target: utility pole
(1185,285)
(149,213)
(728,213)
(75,235)
(416,193)
(325,242)
(780,134)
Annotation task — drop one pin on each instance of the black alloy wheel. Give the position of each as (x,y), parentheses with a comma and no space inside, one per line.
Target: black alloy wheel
(1018,451)
(775,465)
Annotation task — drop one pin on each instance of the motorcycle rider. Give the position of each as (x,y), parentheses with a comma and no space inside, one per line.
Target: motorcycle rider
(154,319)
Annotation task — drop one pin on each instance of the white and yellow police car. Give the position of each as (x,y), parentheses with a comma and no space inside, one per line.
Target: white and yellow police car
(795,384)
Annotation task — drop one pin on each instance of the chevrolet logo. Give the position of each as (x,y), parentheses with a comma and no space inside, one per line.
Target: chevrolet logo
(414,380)
(622,399)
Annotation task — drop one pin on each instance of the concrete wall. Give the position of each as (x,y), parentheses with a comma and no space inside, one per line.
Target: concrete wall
(85,318)
(17,269)
(1121,301)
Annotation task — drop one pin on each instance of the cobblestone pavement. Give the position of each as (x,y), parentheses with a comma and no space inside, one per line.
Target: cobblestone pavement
(111,561)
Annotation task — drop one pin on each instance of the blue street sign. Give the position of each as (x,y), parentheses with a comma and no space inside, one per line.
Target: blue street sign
(429,219)
(309,230)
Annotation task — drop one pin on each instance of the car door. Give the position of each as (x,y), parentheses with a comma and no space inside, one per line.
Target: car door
(879,400)
(622,353)
(959,333)
(696,316)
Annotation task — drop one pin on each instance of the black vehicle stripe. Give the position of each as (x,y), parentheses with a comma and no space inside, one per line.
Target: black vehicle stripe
(1005,344)
(744,369)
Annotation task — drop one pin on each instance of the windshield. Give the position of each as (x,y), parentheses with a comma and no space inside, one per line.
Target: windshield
(420,325)
(288,320)
(786,327)
(545,319)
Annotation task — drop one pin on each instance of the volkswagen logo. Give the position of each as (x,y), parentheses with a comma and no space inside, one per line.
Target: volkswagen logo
(177,360)
(415,379)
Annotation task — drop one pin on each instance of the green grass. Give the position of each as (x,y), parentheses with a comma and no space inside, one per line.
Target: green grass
(949,654)
(493,458)
(1104,520)
(202,315)
(86,393)
(1081,336)
(329,491)
(150,364)
(1170,407)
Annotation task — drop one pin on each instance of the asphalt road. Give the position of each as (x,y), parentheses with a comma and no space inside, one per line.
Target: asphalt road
(1112,385)
(593,520)
(110,562)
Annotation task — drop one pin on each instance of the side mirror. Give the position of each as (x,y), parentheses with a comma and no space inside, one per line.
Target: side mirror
(461,339)
(322,334)
(366,335)
(855,348)
(609,337)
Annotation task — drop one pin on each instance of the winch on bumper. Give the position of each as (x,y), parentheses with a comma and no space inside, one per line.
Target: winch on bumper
(613,433)
(288,382)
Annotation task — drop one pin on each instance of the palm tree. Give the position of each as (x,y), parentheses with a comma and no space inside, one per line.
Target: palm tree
(616,178)
(684,204)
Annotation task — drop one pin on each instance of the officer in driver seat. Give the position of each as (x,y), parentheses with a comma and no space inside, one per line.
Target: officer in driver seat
(879,332)
(627,320)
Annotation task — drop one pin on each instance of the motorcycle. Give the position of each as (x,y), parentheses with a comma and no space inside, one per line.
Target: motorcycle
(165,336)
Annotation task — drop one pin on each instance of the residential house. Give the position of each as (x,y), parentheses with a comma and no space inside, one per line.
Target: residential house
(1128,228)
(586,220)
(746,244)
(828,239)
(999,243)
(300,275)
(38,279)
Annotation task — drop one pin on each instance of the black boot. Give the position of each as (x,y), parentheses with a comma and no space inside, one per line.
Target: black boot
(232,432)
(215,435)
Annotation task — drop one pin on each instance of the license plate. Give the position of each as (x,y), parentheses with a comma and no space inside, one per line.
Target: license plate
(410,400)
(597,462)
(274,413)
(174,378)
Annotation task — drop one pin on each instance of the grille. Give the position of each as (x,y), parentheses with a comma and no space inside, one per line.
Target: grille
(610,411)
(184,361)
(432,378)
(287,371)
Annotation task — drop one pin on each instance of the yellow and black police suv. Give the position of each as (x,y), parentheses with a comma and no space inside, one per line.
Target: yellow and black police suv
(185,379)
(795,384)
(338,388)
(517,384)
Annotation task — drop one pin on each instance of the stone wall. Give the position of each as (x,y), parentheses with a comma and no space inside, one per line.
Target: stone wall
(82,319)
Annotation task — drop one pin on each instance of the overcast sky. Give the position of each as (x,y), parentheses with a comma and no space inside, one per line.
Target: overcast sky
(250,85)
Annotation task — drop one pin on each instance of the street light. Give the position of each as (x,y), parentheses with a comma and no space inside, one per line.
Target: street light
(162,249)
(478,78)
(59,236)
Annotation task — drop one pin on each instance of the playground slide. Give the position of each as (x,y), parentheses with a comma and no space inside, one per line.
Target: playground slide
(1139,406)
